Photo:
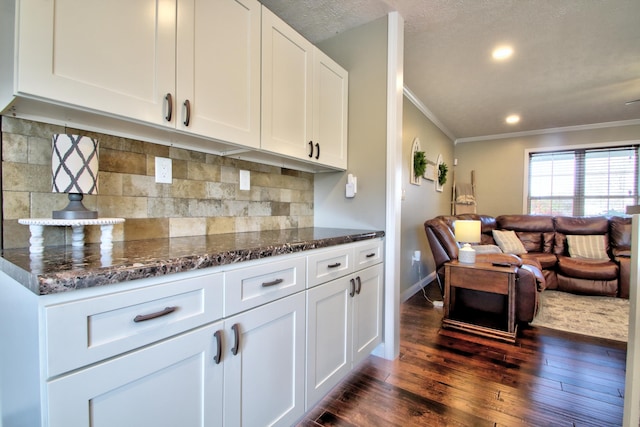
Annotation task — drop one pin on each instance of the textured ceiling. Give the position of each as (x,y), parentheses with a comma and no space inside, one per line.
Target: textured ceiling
(576,62)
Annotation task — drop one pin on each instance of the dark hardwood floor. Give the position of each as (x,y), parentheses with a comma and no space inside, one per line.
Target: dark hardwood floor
(446,378)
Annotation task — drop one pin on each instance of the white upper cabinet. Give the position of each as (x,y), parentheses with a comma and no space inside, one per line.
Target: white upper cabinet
(193,65)
(304,97)
(223,73)
(218,69)
(115,57)
(287,62)
(330,111)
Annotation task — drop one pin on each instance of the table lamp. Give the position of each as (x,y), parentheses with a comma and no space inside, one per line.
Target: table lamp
(74,167)
(467,231)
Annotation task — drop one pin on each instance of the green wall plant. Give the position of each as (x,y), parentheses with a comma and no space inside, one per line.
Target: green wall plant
(419,163)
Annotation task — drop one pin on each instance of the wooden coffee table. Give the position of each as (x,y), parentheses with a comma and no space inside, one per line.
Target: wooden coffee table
(483,277)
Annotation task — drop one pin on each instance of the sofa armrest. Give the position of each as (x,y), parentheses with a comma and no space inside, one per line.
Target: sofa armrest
(501,257)
(624,282)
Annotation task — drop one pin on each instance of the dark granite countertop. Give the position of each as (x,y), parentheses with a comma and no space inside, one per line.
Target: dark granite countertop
(62,268)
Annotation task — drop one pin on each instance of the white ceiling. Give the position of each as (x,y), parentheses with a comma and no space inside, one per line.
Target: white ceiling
(576,62)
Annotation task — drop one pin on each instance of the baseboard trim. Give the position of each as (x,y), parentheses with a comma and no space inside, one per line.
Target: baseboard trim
(417,287)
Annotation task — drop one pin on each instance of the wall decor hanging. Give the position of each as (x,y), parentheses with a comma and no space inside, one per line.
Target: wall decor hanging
(441,170)
(418,163)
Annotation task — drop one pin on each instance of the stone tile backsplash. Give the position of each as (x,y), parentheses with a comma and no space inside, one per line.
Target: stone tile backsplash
(204,197)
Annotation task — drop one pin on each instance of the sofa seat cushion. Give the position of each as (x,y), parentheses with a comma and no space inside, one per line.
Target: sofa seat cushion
(608,288)
(546,260)
(587,269)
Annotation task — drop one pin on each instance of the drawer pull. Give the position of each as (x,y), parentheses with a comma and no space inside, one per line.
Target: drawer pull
(352,292)
(372,254)
(236,338)
(272,283)
(359,288)
(337,264)
(144,317)
(218,357)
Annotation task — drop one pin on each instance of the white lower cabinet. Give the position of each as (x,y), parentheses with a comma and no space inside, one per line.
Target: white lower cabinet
(344,325)
(172,383)
(264,381)
(244,345)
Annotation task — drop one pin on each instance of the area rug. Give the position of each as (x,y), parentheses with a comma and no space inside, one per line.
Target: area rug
(604,317)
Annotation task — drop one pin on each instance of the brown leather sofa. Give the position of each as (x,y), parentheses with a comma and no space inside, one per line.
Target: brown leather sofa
(547,264)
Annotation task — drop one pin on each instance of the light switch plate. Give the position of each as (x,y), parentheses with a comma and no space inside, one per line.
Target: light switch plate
(163,170)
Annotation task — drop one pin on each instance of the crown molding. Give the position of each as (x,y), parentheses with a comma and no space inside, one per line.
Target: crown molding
(424,110)
(549,131)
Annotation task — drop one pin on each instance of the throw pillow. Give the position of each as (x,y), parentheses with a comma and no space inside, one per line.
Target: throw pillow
(588,247)
(508,242)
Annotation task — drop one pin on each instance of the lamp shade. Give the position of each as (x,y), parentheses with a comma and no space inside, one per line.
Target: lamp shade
(74,164)
(74,169)
(467,231)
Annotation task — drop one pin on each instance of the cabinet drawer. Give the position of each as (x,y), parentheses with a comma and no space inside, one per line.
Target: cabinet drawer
(86,331)
(368,253)
(250,287)
(328,265)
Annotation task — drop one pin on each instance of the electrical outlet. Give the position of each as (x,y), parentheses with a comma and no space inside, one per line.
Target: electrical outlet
(245,180)
(163,170)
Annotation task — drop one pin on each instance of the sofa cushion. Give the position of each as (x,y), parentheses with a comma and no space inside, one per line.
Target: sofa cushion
(531,240)
(620,235)
(587,268)
(508,242)
(547,241)
(546,260)
(588,247)
(540,223)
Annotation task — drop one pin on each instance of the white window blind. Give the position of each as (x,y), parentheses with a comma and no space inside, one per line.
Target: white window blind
(583,182)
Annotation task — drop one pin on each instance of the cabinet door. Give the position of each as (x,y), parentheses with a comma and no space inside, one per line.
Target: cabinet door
(218,69)
(114,56)
(172,383)
(367,312)
(330,110)
(287,61)
(328,337)
(264,381)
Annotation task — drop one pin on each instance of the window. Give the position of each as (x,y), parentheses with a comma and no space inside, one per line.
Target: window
(583,182)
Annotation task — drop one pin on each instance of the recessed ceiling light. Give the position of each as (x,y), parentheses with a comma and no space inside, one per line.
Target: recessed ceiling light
(502,52)
(512,119)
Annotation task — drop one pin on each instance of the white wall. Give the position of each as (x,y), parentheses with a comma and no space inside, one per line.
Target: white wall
(499,164)
(363,52)
(373,55)
(421,202)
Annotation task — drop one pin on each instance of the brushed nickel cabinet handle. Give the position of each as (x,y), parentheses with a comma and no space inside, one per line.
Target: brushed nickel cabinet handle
(187,107)
(272,283)
(145,317)
(218,357)
(236,338)
(352,292)
(169,99)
